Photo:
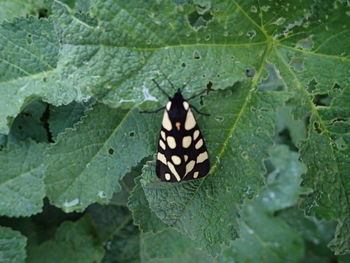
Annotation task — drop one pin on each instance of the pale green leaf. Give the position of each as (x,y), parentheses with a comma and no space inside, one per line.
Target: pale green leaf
(86,162)
(12,246)
(73,242)
(271,239)
(22,187)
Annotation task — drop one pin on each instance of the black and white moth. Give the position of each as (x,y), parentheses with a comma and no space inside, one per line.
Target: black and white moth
(182,154)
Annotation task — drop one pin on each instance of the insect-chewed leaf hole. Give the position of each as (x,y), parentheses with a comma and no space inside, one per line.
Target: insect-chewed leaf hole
(219,118)
(110,151)
(322,100)
(244,155)
(260,116)
(209,85)
(132,134)
(250,72)
(196,55)
(317,127)
(183,64)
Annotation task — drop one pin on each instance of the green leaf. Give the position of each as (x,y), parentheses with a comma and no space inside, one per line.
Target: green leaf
(66,116)
(86,162)
(114,54)
(73,242)
(271,239)
(238,136)
(21,179)
(169,246)
(316,235)
(124,247)
(28,60)
(143,216)
(10,9)
(12,246)
(326,152)
(29,124)
(109,219)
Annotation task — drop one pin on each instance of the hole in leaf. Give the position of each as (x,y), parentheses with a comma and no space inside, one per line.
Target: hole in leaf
(311,86)
(322,100)
(250,72)
(183,65)
(209,85)
(110,151)
(317,127)
(244,155)
(297,62)
(198,18)
(196,55)
(132,134)
(29,38)
(219,118)
(285,138)
(339,119)
(251,34)
(43,12)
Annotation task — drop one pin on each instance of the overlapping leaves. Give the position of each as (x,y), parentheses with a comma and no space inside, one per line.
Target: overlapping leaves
(110,51)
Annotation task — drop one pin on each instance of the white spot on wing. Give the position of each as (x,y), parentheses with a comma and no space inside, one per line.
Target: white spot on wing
(162,144)
(173,170)
(195,134)
(162,133)
(199,144)
(186,105)
(171,142)
(167,176)
(189,167)
(168,106)
(195,175)
(186,141)
(176,159)
(202,157)
(190,122)
(186,157)
(161,157)
(166,122)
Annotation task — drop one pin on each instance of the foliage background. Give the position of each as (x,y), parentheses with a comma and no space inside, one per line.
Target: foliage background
(77,180)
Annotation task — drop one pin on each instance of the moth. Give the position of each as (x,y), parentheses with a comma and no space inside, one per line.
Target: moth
(182,153)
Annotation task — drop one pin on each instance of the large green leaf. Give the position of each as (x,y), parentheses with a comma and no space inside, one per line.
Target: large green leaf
(238,138)
(22,187)
(12,246)
(115,54)
(28,59)
(73,242)
(86,162)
